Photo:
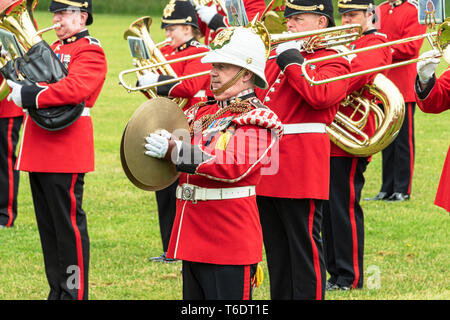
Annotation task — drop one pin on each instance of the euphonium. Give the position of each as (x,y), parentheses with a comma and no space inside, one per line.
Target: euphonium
(31,60)
(15,18)
(347,131)
(141,29)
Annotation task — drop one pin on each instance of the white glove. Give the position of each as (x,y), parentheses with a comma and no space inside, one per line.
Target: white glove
(147,79)
(164,133)
(427,68)
(288,45)
(206,13)
(156,146)
(16,93)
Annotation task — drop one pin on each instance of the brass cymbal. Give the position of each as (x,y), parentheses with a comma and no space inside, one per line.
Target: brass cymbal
(145,172)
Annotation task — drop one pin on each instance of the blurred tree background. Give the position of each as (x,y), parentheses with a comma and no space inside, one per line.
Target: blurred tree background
(144,7)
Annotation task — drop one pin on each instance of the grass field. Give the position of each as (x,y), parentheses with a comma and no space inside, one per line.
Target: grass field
(407,244)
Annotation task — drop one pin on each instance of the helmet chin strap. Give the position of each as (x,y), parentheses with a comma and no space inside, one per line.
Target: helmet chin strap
(230,83)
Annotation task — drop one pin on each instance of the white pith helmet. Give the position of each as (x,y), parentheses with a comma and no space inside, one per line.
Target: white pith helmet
(241,47)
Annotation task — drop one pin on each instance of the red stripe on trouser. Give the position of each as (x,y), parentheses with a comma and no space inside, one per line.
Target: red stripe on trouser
(246,293)
(411,146)
(315,251)
(353,222)
(10,173)
(73,218)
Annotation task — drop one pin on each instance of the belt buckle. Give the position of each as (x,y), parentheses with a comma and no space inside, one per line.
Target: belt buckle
(188,193)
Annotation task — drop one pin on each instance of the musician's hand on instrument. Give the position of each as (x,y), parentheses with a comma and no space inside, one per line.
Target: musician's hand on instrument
(16,93)
(156,146)
(427,68)
(206,13)
(148,79)
(161,144)
(282,47)
(164,133)
(289,53)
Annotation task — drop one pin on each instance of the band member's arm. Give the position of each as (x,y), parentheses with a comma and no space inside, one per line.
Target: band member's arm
(210,17)
(87,71)
(321,96)
(435,96)
(410,49)
(368,60)
(244,153)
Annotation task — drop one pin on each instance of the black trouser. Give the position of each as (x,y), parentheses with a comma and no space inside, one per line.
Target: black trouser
(62,225)
(9,178)
(203,281)
(398,157)
(167,202)
(343,222)
(294,251)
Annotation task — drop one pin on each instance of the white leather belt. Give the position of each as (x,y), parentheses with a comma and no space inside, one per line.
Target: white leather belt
(86,112)
(312,127)
(195,193)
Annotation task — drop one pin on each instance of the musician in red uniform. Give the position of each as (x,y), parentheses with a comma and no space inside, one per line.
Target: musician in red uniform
(433,96)
(58,160)
(343,219)
(181,26)
(398,19)
(213,18)
(290,202)
(11,118)
(217,232)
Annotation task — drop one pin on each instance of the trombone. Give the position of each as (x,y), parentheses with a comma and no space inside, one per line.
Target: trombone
(439,40)
(323,38)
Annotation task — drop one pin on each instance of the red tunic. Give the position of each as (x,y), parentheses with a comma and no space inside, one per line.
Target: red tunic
(401,22)
(194,89)
(437,101)
(304,159)
(70,150)
(363,61)
(8,109)
(226,232)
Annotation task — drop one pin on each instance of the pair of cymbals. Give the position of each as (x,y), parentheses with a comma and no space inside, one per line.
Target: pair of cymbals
(145,172)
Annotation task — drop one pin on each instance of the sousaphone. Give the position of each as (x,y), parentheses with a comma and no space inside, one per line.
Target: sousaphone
(145,172)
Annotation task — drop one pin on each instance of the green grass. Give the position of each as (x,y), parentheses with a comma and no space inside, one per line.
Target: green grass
(407,244)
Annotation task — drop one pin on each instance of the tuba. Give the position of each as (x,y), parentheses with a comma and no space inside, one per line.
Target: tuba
(347,129)
(141,29)
(31,60)
(346,132)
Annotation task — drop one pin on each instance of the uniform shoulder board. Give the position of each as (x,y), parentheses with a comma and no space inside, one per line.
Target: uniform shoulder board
(197,44)
(94,41)
(257,103)
(380,34)
(342,49)
(414,3)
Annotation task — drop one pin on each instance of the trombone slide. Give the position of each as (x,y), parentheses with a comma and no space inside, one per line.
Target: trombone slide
(428,36)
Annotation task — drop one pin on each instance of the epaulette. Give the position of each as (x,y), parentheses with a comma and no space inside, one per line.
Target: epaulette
(94,41)
(380,34)
(342,49)
(257,103)
(198,44)
(414,3)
